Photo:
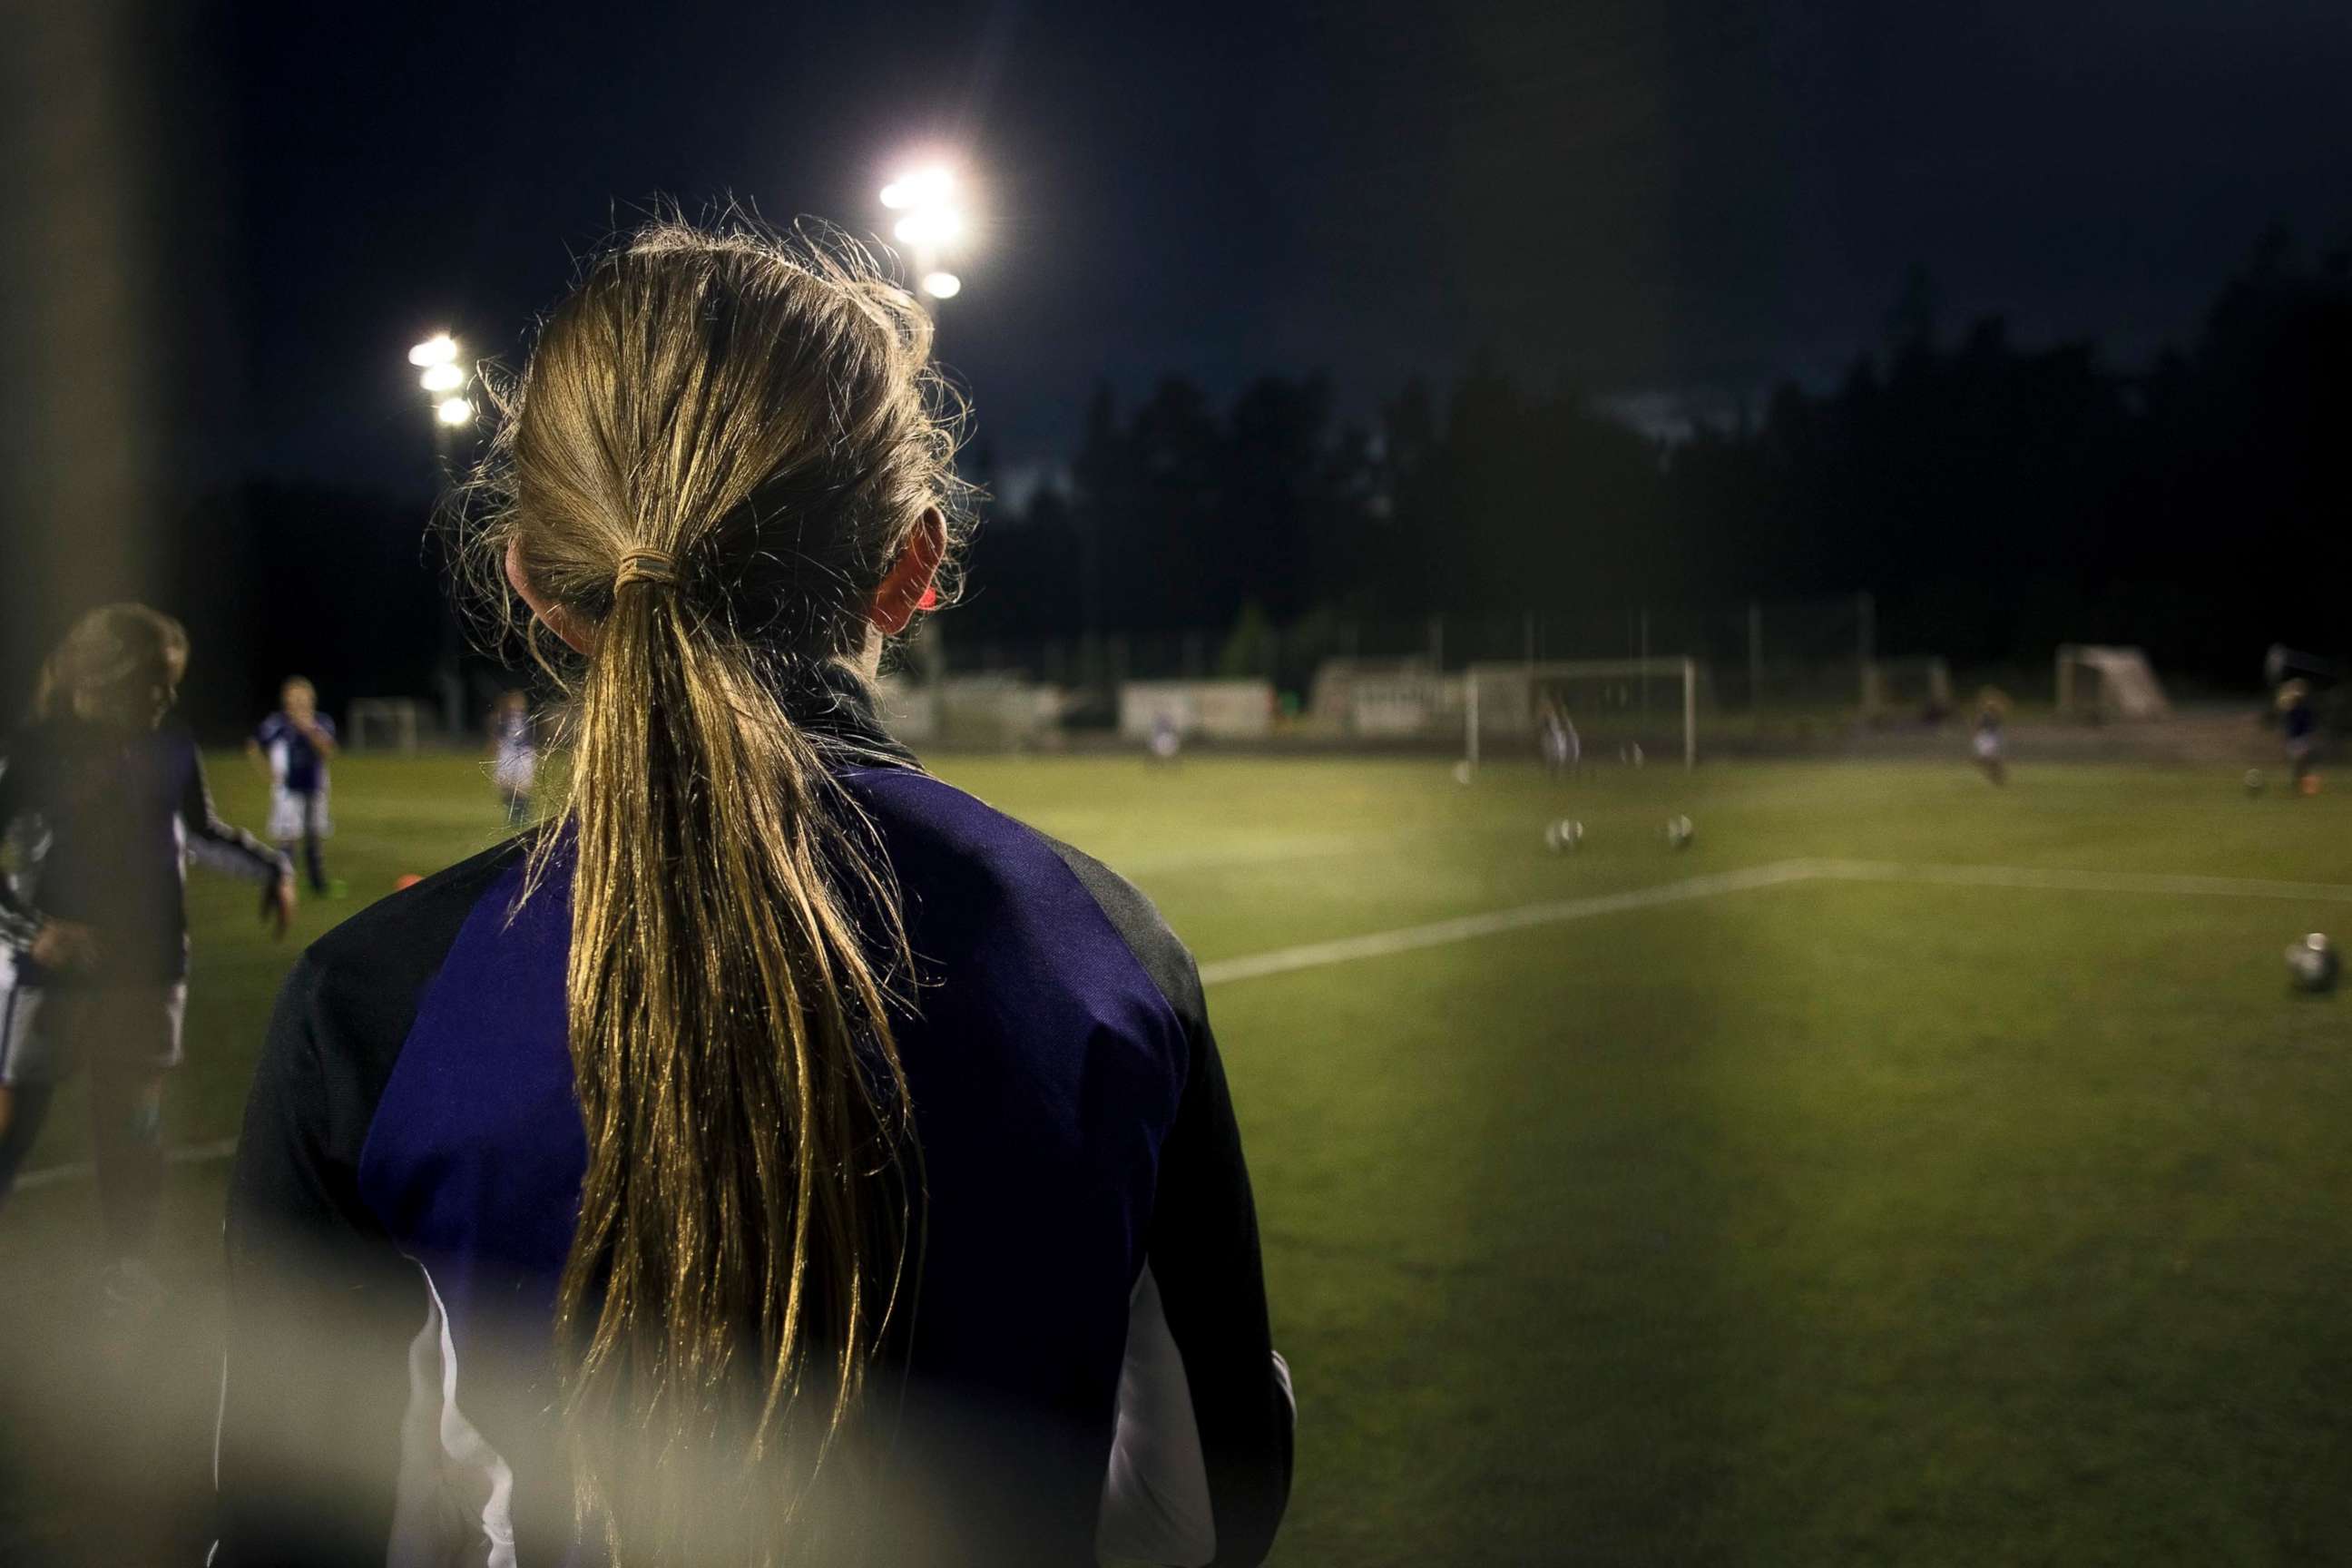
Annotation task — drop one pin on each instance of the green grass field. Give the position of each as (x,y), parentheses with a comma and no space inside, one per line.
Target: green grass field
(1859,1217)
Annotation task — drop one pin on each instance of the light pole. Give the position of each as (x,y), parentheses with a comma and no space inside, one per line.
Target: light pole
(443,381)
(930,226)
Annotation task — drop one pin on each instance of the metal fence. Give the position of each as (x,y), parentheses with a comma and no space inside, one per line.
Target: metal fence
(1762,655)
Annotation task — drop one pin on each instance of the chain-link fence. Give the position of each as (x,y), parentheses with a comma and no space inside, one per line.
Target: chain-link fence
(1824,657)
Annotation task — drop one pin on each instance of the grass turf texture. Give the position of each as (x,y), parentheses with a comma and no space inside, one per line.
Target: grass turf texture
(1831,1222)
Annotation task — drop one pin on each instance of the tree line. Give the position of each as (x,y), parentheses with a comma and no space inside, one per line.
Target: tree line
(1996,498)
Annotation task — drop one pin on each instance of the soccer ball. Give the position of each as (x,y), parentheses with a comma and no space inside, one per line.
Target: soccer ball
(2254,781)
(1563,836)
(2313,963)
(1678,832)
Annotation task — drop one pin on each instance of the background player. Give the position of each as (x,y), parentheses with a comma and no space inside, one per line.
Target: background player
(102,792)
(2299,724)
(1167,739)
(514,754)
(1992,716)
(1556,733)
(294,743)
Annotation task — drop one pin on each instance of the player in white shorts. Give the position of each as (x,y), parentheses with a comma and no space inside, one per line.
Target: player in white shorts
(294,743)
(514,755)
(1992,715)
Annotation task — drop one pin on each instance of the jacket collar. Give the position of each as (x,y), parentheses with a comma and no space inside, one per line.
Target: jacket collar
(834,704)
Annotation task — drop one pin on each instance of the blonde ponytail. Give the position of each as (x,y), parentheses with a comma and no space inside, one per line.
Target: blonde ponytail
(716,451)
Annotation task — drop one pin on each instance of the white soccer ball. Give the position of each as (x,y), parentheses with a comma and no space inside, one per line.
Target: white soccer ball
(1563,836)
(1678,832)
(2313,963)
(2254,781)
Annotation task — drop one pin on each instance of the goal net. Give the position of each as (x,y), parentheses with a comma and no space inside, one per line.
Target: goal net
(382,724)
(1900,689)
(2099,682)
(1635,710)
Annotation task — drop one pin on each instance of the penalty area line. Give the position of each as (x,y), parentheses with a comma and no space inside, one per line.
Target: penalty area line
(1469,928)
(1408,939)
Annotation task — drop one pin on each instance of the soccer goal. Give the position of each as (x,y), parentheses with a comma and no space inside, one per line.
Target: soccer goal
(1919,688)
(382,724)
(1633,710)
(2097,682)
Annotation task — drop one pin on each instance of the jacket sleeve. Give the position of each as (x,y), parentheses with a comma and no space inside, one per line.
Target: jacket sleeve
(322,1312)
(1204,1265)
(1200,1459)
(218,844)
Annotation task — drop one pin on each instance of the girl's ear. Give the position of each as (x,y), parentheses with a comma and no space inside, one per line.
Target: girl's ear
(578,636)
(907,588)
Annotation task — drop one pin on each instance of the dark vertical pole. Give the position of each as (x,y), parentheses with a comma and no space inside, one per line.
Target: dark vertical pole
(1755,656)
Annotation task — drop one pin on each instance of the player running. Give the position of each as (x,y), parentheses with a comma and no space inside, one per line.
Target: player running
(514,755)
(1167,739)
(1557,737)
(782,1156)
(105,797)
(294,744)
(1988,740)
(2299,725)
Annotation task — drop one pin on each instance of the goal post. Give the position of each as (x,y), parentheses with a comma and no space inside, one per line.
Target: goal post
(382,724)
(1636,706)
(2096,681)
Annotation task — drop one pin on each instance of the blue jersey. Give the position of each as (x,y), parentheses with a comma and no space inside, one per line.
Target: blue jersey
(294,762)
(414,1155)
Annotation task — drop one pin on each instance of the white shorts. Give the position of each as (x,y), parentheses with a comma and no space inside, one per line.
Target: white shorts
(293,816)
(49,1032)
(1988,745)
(515,772)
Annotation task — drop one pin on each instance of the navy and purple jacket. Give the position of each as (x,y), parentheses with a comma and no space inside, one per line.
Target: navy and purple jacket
(1089,1361)
(105,819)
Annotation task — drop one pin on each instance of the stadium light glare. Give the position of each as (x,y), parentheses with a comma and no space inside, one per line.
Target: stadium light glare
(929,226)
(438,349)
(453,411)
(441,378)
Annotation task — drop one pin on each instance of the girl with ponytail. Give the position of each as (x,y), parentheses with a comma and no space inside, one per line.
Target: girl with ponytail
(779,1157)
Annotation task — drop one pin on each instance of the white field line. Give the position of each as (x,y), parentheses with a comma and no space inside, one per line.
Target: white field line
(1378,944)
(1469,928)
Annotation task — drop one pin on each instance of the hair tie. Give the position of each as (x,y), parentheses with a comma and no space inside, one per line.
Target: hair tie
(645,566)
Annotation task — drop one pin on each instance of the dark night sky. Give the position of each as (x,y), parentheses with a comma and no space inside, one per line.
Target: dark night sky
(1627,196)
